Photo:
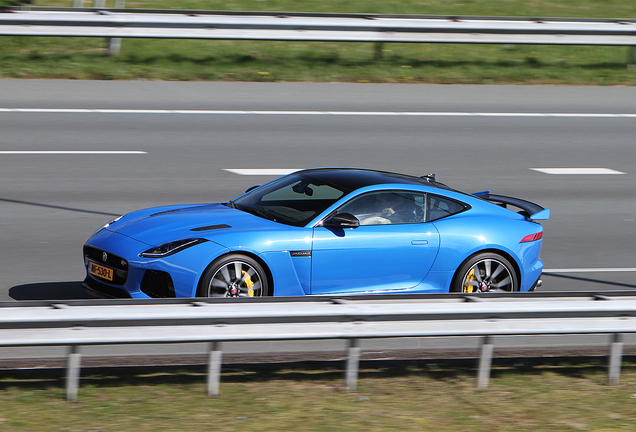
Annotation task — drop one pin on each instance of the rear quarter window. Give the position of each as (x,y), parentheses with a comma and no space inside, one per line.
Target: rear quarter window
(441,207)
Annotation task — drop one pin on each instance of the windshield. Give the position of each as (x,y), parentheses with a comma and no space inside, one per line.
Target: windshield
(292,200)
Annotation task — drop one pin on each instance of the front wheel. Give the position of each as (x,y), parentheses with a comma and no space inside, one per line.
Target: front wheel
(234,276)
(486,272)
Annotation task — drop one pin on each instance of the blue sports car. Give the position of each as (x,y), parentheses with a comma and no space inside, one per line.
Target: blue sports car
(324,231)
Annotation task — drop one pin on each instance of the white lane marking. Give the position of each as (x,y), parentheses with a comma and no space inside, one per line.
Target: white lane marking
(577,171)
(314,113)
(257,172)
(590,270)
(70,152)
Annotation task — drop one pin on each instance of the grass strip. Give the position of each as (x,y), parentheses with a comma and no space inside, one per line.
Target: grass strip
(553,395)
(274,61)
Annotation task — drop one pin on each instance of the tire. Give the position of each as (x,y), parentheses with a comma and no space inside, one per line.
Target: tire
(234,275)
(486,272)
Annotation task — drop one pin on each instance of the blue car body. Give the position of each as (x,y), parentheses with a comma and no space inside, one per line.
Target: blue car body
(289,232)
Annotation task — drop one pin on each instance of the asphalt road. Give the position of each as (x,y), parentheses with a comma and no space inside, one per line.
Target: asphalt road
(472,137)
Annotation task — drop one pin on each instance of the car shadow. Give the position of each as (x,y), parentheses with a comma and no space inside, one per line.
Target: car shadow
(50,291)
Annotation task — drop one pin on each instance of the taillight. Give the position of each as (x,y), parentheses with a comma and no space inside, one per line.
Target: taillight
(532,237)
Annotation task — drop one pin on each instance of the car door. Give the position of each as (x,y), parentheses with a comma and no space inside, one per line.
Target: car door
(393,249)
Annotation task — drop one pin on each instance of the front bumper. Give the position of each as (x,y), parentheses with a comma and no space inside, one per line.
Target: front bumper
(136,277)
(102,290)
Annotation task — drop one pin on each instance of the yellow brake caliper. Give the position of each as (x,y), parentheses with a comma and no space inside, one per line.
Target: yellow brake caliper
(469,278)
(248,283)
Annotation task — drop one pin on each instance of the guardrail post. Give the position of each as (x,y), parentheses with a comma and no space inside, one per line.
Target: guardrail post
(616,354)
(114,45)
(378,51)
(73,372)
(214,368)
(485,363)
(631,57)
(353,365)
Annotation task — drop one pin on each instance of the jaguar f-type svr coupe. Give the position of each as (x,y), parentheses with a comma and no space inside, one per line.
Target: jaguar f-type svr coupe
(324,231)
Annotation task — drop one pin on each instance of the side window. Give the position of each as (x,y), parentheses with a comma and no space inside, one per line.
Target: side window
(387,207)
(439,207)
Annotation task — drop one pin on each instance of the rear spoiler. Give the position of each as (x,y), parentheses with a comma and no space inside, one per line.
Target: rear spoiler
(530,209)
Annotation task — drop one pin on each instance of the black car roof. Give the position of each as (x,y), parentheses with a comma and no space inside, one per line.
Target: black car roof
(356,178)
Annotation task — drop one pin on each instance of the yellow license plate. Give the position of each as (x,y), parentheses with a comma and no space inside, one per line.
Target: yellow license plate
(100,271)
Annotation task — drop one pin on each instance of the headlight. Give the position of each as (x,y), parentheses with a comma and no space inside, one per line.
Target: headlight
(170,248)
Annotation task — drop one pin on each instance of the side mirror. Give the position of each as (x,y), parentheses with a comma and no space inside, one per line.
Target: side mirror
(342,220)
(251,188)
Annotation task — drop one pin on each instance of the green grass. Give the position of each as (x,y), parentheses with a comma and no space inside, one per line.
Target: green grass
(532,8)
(184,60)
(557,396)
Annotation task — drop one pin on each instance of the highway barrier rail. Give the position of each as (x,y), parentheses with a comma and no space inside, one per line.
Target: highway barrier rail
(214,321)
(284,26)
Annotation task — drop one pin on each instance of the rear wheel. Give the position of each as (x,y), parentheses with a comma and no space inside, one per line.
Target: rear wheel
(486,272)
(234,276)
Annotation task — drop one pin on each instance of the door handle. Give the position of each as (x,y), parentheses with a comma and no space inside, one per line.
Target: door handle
(419,242)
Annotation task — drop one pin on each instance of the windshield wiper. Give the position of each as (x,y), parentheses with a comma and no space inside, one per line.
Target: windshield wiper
(264,213)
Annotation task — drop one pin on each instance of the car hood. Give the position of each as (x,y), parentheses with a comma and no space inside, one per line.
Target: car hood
(168,224)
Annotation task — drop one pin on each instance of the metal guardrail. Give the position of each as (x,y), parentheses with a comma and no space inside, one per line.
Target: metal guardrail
(76,324)
(167,24)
